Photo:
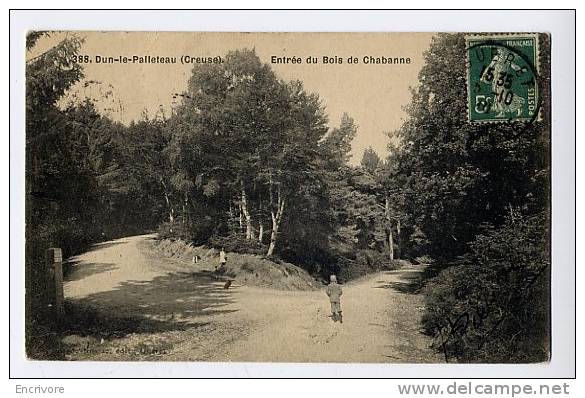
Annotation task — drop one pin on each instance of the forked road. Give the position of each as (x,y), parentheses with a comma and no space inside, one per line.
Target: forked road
(146,307)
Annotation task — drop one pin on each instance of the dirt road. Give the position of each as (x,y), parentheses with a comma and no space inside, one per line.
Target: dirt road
(127,302)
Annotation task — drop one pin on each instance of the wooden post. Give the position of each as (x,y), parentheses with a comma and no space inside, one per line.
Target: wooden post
(55,271)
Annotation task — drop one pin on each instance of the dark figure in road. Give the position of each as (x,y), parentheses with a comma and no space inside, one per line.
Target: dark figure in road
(334,292)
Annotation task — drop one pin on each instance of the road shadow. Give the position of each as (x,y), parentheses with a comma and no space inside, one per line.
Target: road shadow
(104,245)
(411,281)
(77,270)
(171,302)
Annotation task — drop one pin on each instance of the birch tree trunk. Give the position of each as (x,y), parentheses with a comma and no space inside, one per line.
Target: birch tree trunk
(260,217)
(276,218)
(185,209)
(241,217)
(261,232)
(390,245)
(168,201)
(398,240)
(389,233)
(247,216)
(171,218)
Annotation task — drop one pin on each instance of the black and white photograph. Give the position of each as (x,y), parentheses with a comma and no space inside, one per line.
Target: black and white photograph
(288,197)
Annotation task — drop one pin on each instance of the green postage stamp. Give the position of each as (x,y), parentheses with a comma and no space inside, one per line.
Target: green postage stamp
(502,77)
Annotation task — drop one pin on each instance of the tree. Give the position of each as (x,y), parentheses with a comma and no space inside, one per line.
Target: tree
(492,305)
(459,175)
(357,197)
(249,139)
(476,197)
(370,160)
(56,165)
(338,142)
(59,188)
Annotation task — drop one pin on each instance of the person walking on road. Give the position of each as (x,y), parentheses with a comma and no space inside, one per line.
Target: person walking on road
(334,292)
(222,261)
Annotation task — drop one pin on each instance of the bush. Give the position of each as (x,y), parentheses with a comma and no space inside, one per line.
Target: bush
(374,259)
(238,243)
(492,304)
(365,262)
(197,233)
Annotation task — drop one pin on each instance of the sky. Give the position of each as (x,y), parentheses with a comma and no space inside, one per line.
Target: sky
(373,94)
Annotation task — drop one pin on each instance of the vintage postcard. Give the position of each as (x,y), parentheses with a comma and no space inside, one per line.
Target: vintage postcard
(288,197)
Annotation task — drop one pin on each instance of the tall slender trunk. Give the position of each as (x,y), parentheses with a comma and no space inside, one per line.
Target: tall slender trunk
(389,233)
(171,211)
(168,201)
(260,217)
(276,219)
(241,217)
(261,232)
(247,216)
(391,245)
(185,208)
(398,240)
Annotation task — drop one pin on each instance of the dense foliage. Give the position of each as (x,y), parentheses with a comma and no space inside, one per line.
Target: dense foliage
(253,166)
(492,305)
(87,177)
(244,160)
(476,196)
(458,175)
